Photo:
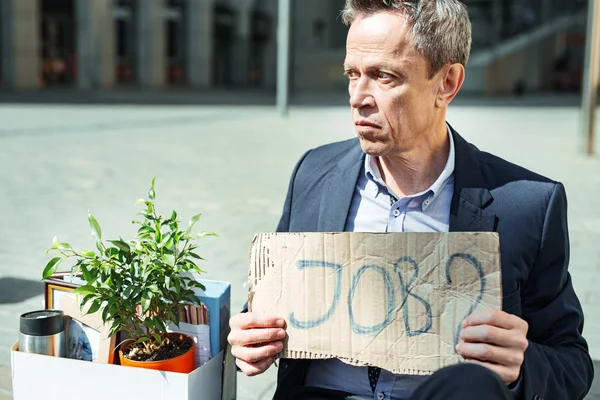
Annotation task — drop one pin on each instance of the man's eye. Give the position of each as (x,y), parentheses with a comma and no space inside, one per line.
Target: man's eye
(351,74)
(384,76)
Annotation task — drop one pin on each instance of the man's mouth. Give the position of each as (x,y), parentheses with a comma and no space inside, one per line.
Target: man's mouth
(365,123)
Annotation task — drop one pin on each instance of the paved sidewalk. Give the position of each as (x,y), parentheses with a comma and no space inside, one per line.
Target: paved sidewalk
(233,164)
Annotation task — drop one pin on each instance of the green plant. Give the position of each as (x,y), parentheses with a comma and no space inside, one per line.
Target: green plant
(140,285)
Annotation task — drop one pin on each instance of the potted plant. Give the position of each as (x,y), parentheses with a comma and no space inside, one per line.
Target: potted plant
(141,285)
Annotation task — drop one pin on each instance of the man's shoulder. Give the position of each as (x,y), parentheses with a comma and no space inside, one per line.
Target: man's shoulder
(335,149)
(516,184)
(327,156)
(505,170)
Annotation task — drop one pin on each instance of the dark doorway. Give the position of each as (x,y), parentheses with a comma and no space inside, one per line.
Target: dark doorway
(58,32)
(125,37)
(224,29)
(261,31)
(176,42)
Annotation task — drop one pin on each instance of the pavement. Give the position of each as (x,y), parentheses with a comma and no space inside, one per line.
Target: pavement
(232,163)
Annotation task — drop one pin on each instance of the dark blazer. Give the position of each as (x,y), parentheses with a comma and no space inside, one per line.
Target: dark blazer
(527,210)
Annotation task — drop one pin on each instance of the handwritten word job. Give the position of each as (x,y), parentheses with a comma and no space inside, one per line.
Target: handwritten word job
(405,289)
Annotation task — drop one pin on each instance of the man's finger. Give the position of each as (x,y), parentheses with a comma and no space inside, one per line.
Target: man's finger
(256,354)
(493,335)
(485,352)
(253,369)
(255,336)
(495,318)
(508,375)
(252,320)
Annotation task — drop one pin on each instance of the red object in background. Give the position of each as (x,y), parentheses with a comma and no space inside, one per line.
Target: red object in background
(576,39)
(124,73)
(175,74)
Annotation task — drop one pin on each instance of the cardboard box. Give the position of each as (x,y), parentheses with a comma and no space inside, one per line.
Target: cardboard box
(392,300)
(52,378)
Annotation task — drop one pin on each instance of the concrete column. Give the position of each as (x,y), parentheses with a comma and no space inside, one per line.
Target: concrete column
(591,85)
(243,42)
(151,43)
(269,60)
(199,42)
(21,52)
(95,44)
(533,68)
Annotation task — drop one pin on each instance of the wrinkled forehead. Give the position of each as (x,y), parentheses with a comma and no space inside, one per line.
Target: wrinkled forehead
(384,32)
(381,37)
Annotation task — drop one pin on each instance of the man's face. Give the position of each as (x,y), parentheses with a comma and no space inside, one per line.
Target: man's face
(393,100)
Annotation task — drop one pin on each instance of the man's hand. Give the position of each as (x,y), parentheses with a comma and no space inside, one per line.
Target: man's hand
(496,340)
(255,340)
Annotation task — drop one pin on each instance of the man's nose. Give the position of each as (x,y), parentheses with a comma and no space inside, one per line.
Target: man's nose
(360,95)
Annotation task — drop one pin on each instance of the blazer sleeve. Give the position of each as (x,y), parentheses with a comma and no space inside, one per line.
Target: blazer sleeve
(557,364)
(284,221)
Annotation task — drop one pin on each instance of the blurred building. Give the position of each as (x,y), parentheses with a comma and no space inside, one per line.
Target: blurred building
(209,44)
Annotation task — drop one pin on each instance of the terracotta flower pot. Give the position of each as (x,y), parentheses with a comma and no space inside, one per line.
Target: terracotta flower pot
(184,363)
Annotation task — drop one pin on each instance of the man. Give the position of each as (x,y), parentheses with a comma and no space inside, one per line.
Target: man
(410,171)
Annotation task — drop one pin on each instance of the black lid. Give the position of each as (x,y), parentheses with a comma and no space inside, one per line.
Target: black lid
(42,323)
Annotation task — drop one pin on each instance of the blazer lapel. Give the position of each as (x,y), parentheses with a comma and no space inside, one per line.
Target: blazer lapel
(471,197)
(339,190)
(468,212)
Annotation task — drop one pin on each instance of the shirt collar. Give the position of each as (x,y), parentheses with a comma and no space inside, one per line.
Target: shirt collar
(373,173)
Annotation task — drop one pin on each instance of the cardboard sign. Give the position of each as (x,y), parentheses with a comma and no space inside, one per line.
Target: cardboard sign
(392,300)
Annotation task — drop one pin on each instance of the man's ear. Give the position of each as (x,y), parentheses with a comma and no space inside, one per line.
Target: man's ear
(451,80)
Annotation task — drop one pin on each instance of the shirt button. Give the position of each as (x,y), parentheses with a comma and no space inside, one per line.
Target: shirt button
(381,396)
(396,212)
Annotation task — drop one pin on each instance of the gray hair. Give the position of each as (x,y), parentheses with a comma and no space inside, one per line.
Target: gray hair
(440,29)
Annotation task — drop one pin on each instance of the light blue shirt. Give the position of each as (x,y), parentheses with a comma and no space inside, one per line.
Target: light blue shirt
(375,209)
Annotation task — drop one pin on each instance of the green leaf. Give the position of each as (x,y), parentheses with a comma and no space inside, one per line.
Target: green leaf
(106,311)
(160,324)
(152,192)
(86,289)
(94,307)
(194,219)
(51,267)
(143,339)
(146,228)
(65,246)
(149,323)
(115,327)
(146,302)
(195,256)
(87,298)
(198,285)
(121,245)
(205,234)
(174,317)
(157,338)
(95,226)
(85,272)
(154,289)
(174,216)
(169,259)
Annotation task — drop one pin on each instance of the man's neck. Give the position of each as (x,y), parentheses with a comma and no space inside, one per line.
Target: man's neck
(415,170)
